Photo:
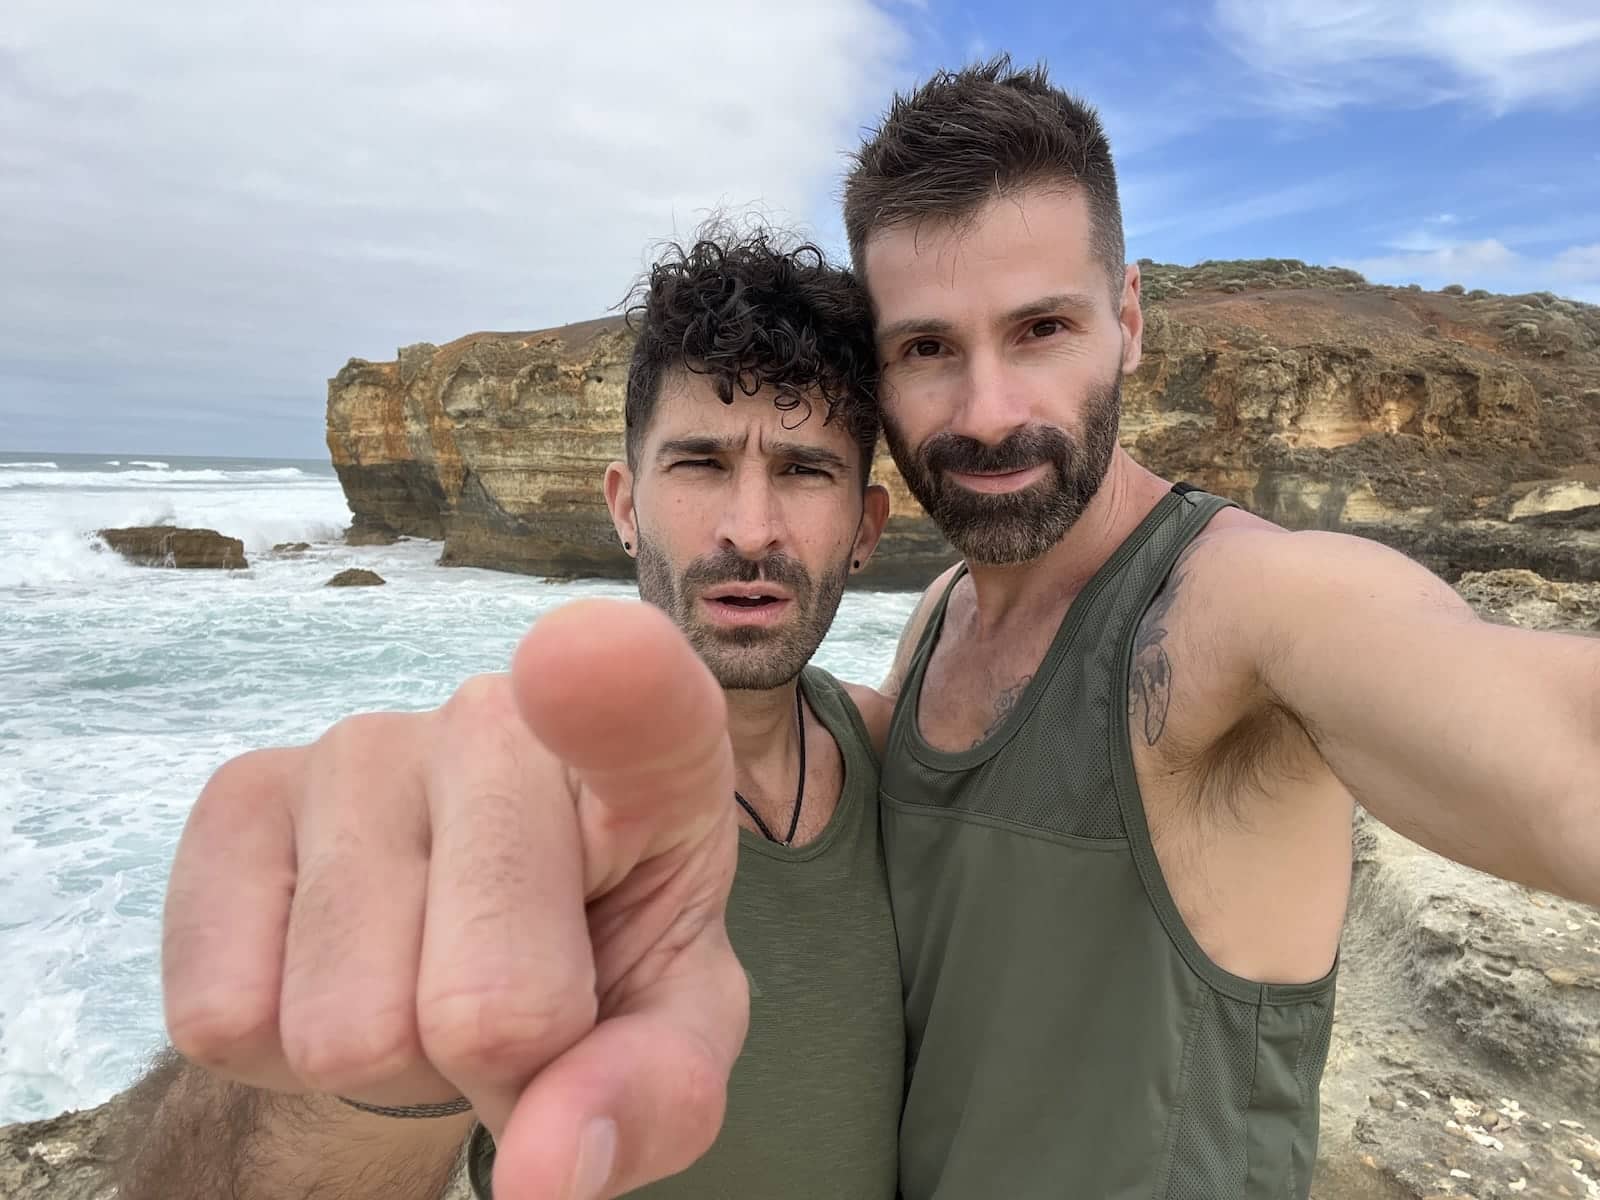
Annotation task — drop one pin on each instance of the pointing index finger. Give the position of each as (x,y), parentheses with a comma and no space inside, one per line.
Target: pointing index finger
(616,691)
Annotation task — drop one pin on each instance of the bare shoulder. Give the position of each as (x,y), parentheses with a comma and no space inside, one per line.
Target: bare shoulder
(912,634)
(876,709)
(1256,568)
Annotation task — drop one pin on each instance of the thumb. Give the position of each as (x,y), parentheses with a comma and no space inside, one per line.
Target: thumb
(642,1097)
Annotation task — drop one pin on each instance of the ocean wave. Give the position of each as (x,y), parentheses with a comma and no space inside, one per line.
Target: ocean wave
(30,466)
(60,557)
(156,465)
(40,477)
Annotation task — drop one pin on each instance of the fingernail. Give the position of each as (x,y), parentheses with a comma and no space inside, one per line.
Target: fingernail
(597,1154)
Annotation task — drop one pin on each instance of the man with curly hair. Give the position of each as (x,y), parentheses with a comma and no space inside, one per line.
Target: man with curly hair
(509,910)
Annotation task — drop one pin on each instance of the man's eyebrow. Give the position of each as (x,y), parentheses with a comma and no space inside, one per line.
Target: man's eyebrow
(900,329)
(807,456)
(698,446)
(1045,305)
(796,452)
(1062,301)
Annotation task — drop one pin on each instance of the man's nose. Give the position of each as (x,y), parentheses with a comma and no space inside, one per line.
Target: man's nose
(994,402)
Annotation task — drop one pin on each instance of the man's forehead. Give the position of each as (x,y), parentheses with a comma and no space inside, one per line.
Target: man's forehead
(1017,248)
(770,420)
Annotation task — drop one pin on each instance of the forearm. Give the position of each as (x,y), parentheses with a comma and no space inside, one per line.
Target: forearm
(187,1135)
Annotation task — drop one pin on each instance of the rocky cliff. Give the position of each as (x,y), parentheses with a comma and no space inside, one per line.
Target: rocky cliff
(1463,428)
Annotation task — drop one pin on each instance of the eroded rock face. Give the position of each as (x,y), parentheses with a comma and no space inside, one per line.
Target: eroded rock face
(1431,421)
(169,546)
(64,1158)
(1466,1043)
(1527,600)
(497,444)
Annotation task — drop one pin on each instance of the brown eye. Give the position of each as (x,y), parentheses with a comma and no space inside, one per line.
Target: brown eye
(926,348)
(1044,329)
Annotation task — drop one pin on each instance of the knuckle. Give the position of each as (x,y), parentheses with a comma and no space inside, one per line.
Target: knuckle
(698,1095)
(345,1049)
(237,783)
(359,735)
(481,699)
(217,1031)
(506,1031)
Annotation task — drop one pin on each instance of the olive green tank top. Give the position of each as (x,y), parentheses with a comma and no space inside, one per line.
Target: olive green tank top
(814,1098)
(1066,1035)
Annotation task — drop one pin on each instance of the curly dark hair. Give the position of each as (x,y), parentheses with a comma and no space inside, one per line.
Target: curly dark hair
(752,313)
(965,136)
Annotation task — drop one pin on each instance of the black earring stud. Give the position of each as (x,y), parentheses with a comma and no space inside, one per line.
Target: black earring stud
(857,564)
(627,545)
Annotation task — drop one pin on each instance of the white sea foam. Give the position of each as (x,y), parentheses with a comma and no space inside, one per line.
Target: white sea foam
(30,465)
(122,688)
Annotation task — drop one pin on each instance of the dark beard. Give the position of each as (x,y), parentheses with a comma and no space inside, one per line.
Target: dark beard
(1014,527)
(745,659)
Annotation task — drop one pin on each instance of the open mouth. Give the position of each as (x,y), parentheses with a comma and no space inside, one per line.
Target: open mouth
(747,601)
(747,604)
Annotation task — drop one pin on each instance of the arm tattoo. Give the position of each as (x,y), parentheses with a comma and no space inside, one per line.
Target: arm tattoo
(1004,703)
(1150,680)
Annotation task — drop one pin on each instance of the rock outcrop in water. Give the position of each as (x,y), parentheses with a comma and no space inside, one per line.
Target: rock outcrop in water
(1463,429)
(356,577)
(1466,1039)
(169,546)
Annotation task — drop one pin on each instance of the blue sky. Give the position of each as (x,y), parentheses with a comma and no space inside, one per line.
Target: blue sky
(204,210)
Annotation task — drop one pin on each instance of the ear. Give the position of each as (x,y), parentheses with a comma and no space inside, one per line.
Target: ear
(874,516)
(1131,318)
(619,499)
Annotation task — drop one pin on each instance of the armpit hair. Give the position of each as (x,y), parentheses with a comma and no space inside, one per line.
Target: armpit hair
(1269,743)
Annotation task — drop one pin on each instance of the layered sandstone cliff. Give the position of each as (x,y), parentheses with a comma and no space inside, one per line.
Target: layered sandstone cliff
(496,444)
(1461,428)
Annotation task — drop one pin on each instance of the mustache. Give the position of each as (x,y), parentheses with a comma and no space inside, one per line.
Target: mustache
(1027,447)
(730,566)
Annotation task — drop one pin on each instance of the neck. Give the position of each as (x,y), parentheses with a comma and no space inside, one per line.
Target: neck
(1049,582)
(762,727)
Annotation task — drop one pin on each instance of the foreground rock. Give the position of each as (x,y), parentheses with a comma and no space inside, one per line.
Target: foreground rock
(1525,599)
(64,1158)
(356,577)
(169,546)
(1463,429)
(291,547)
(1466,1040)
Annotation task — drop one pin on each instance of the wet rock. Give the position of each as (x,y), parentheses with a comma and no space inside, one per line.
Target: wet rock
(170,546)
(356,577)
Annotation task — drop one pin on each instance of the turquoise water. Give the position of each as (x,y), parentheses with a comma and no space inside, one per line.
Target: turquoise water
(122,688)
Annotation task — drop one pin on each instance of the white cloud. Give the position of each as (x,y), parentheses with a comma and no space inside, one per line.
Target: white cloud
(1489,263)
(1316,55)
(1580,262)
(215,199)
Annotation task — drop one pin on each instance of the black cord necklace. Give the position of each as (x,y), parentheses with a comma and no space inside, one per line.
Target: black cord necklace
(800,789)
